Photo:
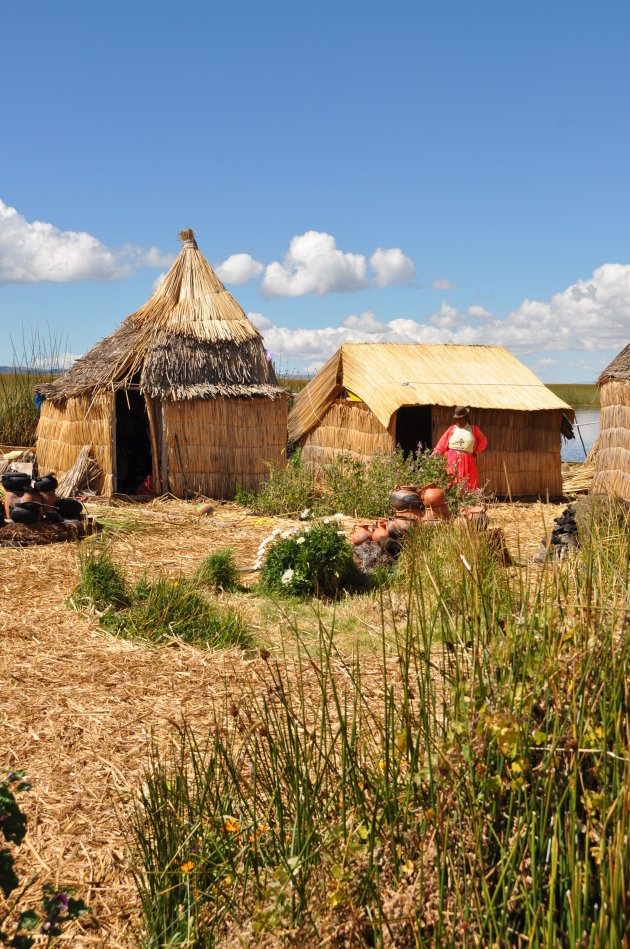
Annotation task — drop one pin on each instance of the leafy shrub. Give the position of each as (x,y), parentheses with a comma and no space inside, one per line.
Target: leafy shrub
(287,490)
(102,584)
(349,485)
(317,562)
(218,572)
(163,609)
(57,906)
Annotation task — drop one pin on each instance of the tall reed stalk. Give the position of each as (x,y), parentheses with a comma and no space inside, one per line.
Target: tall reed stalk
(470,786)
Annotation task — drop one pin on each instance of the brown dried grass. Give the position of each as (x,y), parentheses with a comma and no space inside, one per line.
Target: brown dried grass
(77,705)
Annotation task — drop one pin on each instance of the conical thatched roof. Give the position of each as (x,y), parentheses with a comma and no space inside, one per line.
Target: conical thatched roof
(190,340)
(618,369)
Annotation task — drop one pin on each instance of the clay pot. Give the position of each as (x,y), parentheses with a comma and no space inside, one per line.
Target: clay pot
(380,532)
(405,497)
(360,534)
(204,509)
(433,497)
(400,524)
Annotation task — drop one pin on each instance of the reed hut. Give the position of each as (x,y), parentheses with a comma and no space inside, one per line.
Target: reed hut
(182,390)
(371,397)
(612,461)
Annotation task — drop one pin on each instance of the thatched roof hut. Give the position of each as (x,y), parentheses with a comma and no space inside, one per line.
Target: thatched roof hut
(183,390)
(612,462)
(371,397)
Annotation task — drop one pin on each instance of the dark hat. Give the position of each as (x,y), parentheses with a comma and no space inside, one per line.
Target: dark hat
(460,411)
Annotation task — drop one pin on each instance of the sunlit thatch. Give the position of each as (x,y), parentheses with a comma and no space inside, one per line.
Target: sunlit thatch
(612,464)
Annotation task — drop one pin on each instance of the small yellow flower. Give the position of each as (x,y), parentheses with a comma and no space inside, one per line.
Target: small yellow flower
(232,826)
(187,867)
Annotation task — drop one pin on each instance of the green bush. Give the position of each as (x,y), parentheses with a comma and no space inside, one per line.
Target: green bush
(218,572)
(287,490)
(350,486)
(165,609)
(317,562)
(102,584)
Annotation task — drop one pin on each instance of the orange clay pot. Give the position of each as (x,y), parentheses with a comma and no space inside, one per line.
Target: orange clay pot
(405,497)
(360,534)
(380,532)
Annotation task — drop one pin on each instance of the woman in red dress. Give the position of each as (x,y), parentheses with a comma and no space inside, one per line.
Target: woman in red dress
(461,443)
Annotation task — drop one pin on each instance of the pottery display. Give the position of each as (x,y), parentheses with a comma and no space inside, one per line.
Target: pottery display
(360,534)
(433,497)
(401,523)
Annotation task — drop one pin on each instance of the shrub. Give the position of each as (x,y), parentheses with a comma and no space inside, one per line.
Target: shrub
(287,490)
(218,572)
(165,609)
(317,562)
(102,584)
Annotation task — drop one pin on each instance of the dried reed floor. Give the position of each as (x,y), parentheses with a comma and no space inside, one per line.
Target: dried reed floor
(77,705)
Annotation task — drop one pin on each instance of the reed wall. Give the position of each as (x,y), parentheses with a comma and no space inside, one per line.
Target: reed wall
(64,429)
(214,445)
(612,462)
(523,453)
(347,427)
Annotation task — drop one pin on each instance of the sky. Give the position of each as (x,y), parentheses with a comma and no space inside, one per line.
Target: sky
(402,171)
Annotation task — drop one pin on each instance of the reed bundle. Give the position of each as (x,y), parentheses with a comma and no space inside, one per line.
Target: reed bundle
(85,476)
(612,466)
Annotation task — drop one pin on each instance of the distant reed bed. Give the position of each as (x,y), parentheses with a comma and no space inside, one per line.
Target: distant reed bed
(577,395)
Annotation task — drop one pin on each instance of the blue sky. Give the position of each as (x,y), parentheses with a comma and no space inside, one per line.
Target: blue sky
(482,147)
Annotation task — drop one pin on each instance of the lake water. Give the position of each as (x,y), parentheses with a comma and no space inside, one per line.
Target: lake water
(588,422)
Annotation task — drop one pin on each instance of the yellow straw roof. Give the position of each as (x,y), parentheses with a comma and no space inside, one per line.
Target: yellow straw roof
(387,376)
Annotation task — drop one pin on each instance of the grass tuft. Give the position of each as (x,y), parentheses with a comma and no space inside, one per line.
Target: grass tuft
(219,572)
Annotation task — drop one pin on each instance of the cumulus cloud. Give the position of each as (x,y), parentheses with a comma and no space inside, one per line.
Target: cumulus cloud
(260,322)
(591,315)
(314,264)
(391,267)
(239,268)
(34,251)
(442,283)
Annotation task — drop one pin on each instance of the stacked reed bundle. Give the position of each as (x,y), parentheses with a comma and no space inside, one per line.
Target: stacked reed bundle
(64,429)
(612,464)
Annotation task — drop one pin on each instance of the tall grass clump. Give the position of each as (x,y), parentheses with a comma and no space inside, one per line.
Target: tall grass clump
(287,490)
(156,610)
(38,362)
(471,787)
(102,583)
(218,572)
(165,609)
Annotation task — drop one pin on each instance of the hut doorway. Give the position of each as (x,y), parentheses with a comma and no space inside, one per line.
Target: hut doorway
(413,428)
(133,441)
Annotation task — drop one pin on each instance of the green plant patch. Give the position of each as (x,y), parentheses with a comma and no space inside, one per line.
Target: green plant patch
(316,562)
(165,609)
(102,585)
(218,572)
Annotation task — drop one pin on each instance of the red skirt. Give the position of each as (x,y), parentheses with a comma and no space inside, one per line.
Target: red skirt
(463,468)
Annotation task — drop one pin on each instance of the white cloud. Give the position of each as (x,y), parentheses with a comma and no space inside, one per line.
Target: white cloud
(260,322)
(591,315)
(314,264)
(239,268)
(479,312)
(36,251)
(442,283)
(392,267)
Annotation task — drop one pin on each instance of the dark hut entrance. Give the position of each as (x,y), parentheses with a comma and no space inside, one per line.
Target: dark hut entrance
(133,441)
(413,428)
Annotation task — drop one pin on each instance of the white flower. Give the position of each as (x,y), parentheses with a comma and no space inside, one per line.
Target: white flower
(287,576)
(300,540)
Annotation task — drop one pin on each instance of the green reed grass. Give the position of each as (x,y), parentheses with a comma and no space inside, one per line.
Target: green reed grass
(473,789)
(576,394)
(219,572)
(37,362)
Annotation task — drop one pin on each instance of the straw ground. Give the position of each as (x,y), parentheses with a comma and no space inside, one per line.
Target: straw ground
(78,705)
